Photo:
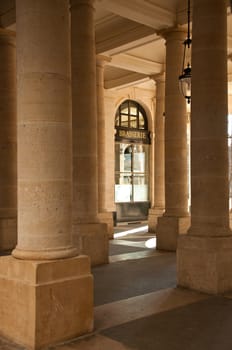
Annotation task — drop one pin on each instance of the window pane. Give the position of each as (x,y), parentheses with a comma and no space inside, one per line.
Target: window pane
(140,183)
(124,108)
(141,121)
(133,122)
(123,157)
(133,110)
(123,187)
(139,159)
(127,160)
(124,121)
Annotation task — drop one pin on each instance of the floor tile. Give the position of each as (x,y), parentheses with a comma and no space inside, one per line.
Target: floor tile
(123,311)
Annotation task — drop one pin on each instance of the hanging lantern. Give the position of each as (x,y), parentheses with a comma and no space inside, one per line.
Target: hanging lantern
(185,77)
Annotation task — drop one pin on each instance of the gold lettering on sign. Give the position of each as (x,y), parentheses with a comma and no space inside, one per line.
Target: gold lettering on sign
(132,134)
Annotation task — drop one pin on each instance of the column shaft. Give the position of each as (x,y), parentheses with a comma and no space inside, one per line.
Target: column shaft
(175,219)
(104,215)
(176,184)
(89,235)
(54,287)
(159,143)
(159,194)
(44,131)
(204,255)
(209,147)
(8,146)
(84,108)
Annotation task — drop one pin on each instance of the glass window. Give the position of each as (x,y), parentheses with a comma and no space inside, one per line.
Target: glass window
(141,121)
(140,188)
(133,122)
(124,121)
(131,172)
(132,155)
(131,115)
(133,110)
(123,188)
(127,164)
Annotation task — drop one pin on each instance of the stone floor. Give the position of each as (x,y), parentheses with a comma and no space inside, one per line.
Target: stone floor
(138,307)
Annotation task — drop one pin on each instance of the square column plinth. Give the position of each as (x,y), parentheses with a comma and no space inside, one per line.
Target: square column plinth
(168,230)
(45,302)
(204,264)
(92,240)
(107,218)
(154,214)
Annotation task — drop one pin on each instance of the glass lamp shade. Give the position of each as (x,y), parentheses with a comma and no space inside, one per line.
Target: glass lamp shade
(185,83)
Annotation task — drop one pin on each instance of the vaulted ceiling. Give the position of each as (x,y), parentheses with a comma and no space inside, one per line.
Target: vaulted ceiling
(128,32)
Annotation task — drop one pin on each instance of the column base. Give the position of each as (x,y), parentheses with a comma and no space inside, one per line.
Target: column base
(8,233)
(42,303)
(168,229)
(154,214)
(204,263)
(92,240)
(107,218)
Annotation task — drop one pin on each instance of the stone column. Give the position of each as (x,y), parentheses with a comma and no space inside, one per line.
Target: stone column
(51,292)
(159,197)
(205,253)
(105,215)
(8,154)
(90,236)
(175,219)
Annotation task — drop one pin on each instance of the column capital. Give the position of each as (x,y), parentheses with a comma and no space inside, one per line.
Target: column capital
(77,3)
(158,78)
(102,60)
(174,33)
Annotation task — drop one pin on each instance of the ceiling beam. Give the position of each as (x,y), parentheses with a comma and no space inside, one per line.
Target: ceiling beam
(125,81)
(143,12)
(125,37)
(136,64)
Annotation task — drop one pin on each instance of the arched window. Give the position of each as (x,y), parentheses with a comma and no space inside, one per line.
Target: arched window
(131,115)
(131,161)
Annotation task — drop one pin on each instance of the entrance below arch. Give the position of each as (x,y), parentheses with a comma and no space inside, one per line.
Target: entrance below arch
(132,143)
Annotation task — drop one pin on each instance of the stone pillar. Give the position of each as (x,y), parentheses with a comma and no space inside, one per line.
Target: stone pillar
(105,216)
(159,198)
(90,236)
(205,254)
(175,219)
(8,154)
(56,293)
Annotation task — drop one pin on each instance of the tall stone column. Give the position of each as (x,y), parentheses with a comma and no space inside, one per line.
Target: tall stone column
(159,197)
(205,253)
(175,219)
(90,236)
(8,154)
(105,215)
(54,286)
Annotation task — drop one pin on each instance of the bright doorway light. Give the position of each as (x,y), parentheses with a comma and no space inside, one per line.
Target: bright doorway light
(134,230)
(151,243)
